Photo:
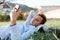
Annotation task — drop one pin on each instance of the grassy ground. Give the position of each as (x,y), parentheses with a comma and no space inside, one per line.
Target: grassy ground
(49,35)
(55,23)
(42,36)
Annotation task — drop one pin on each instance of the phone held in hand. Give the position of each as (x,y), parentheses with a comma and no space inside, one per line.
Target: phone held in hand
(17,7)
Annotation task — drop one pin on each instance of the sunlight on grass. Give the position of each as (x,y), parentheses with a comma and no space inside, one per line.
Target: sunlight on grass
(4,23)
(53,23)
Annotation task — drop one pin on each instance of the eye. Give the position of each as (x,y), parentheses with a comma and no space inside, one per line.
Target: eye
(37,20)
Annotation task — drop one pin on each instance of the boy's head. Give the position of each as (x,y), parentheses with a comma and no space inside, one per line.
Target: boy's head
(38,19)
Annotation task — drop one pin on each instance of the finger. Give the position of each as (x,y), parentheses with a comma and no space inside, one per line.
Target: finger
(17,7)
(14,9)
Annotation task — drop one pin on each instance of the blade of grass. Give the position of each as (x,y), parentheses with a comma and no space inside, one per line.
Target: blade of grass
(55,36)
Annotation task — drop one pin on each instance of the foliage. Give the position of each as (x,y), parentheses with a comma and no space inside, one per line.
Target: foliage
(4,18)
(42,36)
(20,16)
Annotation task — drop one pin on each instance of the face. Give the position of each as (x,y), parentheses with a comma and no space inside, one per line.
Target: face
(36,20)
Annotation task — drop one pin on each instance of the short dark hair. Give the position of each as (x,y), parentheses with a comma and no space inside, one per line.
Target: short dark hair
(44,18)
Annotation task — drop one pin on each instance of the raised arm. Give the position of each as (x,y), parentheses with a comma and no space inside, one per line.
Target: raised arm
(14,14)
(30,16)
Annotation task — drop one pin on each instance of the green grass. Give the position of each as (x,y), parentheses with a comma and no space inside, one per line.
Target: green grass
(42,36)
(55,23)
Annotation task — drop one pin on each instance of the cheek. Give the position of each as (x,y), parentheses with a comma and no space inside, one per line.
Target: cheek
(39,23)
(36,23)
(33,22)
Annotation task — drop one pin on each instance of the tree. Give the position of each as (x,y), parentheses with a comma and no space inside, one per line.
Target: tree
(2,1)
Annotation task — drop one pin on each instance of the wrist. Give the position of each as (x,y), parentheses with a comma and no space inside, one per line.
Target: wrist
(12,25)
(13,22)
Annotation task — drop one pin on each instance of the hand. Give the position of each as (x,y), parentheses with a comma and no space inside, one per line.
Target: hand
(14,14)
(40,12)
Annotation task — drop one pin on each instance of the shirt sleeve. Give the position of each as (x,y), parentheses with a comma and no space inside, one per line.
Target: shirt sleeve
(16,32)
(16,35)
(5,32)
(28,33)
(30,16)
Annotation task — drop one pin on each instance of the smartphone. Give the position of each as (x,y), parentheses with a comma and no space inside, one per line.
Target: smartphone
(17,7)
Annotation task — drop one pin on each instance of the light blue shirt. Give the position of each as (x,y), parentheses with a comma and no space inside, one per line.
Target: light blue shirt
(20,31)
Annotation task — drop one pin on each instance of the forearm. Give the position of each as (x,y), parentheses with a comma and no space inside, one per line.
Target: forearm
(30,16)
(14,14)
(28,33)
(13,22)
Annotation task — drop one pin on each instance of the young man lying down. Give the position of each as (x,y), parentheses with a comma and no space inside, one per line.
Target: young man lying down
(21,31)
